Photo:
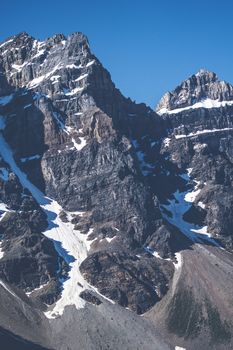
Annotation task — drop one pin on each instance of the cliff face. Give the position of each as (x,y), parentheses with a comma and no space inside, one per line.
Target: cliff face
(201,140)
(73,134)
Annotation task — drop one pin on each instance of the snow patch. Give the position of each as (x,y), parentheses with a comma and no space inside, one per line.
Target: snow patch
(206,103)
(201,204)
(38,54)
(201,132)
(80,145)
(38,288)
(191,196)
(4,208)
(36,81)
(72,66)
(90,63)
(55,78)
(81,77)
(19,67)
(178,264)
(178,206)
(108,239)
(74,91)
(155,254)
(166,142)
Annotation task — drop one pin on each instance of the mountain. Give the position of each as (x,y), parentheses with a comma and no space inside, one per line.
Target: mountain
(106,205)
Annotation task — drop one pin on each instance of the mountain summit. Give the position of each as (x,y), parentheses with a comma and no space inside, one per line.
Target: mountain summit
(204,85)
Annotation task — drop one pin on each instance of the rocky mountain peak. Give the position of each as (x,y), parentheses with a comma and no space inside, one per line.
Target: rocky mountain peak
(58,65)
(206,74)
(200,86)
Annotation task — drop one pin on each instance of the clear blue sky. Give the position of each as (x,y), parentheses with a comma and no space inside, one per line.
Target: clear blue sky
(148,46)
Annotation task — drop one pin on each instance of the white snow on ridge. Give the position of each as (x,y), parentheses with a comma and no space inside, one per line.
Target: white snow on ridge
(38,54)
(83,76)
(74,91)
(38,288)
(3,208)
(90,63)
(19,67)
(72,66)
(109,240)
(55,79)
(206,103)
(201,132)
(36,81)
(179,348)
(6,42)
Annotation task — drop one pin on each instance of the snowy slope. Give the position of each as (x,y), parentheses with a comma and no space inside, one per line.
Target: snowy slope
(178,206)
(70,244)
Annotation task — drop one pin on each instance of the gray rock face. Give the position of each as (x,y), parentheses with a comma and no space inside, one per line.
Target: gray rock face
(200,139)
(29,258)
(134,282)
(198,87)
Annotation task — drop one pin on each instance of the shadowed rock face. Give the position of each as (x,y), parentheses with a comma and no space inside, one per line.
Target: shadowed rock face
(131,281)
(29,259)
(11,341)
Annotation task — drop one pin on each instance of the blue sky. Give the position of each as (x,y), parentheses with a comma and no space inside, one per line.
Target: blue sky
(149,46)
